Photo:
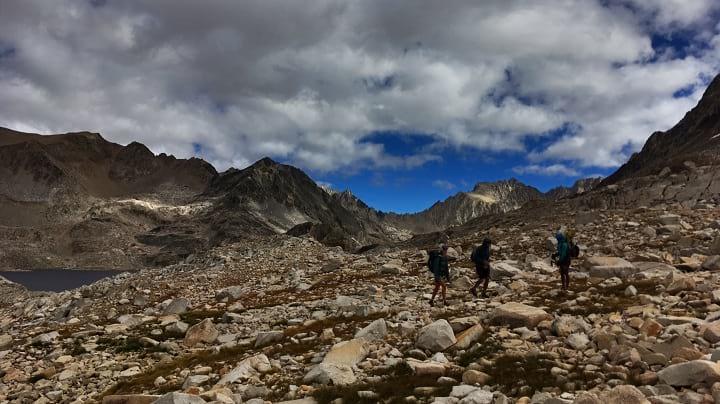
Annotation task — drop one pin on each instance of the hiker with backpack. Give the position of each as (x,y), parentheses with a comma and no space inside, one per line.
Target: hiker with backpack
(481,257)
(566,251)
(438,265)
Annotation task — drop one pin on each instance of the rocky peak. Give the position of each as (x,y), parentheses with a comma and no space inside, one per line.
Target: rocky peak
(579,187)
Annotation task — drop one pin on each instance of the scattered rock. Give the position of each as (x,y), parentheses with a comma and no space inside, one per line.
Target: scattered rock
(436,337)
(517,315)
(202,332)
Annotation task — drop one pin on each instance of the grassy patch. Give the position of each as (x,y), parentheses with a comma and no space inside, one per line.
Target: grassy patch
(397,384)
(75,349)
(486,347)
(144,382)
(343,327)
(194,317)
(512,371)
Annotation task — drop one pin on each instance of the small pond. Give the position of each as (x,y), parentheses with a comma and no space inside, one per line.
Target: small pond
(56,280)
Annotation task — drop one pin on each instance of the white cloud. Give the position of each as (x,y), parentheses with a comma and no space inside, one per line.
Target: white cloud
(308,82)
(444,184)
(550,170)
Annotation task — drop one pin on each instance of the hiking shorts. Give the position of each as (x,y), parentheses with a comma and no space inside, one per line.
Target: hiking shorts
(564,268)
(483,270)
(439,277)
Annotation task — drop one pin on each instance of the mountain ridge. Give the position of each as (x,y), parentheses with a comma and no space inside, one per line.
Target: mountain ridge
(695,137)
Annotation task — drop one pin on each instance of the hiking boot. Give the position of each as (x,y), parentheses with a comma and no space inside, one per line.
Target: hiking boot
(473,292)
(484,294)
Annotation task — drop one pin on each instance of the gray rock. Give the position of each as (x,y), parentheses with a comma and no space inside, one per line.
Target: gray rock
(516,315)
(391,269)
(194,381)
(230,293)
(436,337)
(331,373)
(624,395)
(578,341)
(46,338)
(377,330)
(246,369)
(177,306)
(178,327)
(268,338)
(689,373)
(669,220)
(503,269)
(712,263)
(6,341)
(609,267)
(478,397)
(179,398)
(203,331)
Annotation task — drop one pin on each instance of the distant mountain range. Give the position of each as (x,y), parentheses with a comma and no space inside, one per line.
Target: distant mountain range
(77,199)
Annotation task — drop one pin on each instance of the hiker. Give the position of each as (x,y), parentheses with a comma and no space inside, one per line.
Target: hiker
(563,259)
(438,265)
(481,257)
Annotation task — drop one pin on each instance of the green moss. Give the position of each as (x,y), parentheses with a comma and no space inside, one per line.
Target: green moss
(517,370)
(194,317)
(398,383)
(486,347)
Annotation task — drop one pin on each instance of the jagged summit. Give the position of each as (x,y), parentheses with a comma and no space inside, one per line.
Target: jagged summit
(485,198)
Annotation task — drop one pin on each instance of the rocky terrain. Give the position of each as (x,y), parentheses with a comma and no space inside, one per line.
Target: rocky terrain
(281,318)
(579,187)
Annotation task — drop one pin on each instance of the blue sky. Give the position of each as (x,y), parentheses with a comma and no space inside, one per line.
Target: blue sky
(412,190)
(404,102)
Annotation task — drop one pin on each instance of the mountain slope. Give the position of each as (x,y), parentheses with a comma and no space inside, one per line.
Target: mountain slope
(580,186)
(485,198)
(36,168)
(270,197)
(696,137)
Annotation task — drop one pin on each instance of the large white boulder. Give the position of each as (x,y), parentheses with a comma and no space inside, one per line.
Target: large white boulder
(689,373)
(436,337)
(609,267)
(516,315)
(377,330)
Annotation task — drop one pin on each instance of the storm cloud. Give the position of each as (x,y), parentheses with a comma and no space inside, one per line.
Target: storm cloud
(571,83)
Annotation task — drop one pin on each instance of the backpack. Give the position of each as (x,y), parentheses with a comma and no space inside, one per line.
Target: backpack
(574,250)
(432,256)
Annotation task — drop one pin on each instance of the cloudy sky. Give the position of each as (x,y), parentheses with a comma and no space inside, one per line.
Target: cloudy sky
(403,101)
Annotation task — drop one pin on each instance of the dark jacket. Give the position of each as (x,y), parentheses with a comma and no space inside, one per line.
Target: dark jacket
(563,250)
(438,264)
(481,256)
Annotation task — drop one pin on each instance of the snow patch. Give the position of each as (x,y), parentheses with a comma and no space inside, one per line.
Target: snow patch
(483,197)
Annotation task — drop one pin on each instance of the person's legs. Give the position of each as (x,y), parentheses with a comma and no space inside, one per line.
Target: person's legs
(473,289)
(444,292)
(434,293)
(565,276)
(485,286)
